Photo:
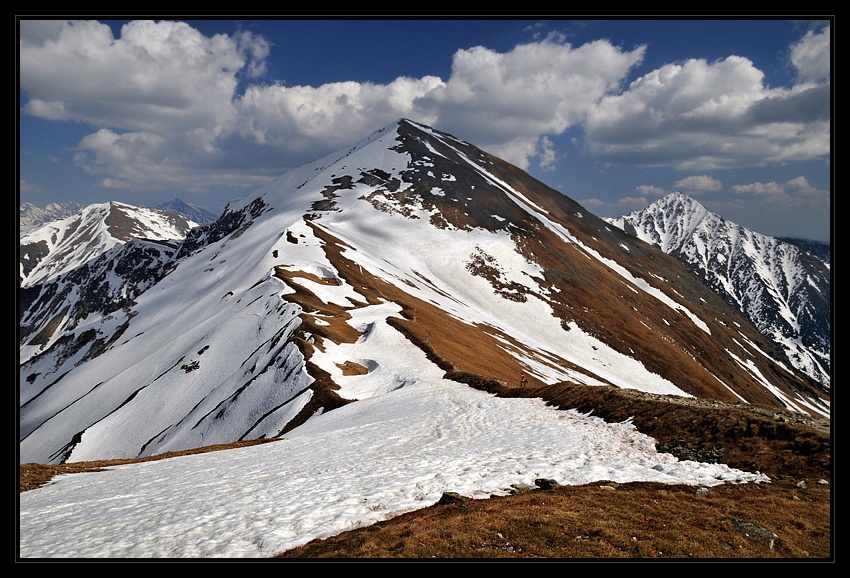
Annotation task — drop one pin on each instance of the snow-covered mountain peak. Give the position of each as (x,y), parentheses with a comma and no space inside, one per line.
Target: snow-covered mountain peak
(781,288)
(401,159)
(409,241)
(668,221)
(60,246)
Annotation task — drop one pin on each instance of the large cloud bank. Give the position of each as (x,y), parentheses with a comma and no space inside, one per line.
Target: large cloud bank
(168,105)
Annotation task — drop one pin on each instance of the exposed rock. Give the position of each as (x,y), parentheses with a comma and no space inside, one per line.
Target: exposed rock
(753,530)
(451,498)
(546,483)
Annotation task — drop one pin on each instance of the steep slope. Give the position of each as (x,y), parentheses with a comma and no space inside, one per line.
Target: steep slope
(409,238)
(782,289)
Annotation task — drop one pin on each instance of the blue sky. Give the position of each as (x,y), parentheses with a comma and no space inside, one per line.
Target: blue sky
(612,113)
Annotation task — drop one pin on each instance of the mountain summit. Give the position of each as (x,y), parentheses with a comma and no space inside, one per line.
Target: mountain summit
(782,289)
(411,241)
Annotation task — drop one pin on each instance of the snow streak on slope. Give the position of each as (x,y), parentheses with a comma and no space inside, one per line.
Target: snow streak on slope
(471,299)
(566,236)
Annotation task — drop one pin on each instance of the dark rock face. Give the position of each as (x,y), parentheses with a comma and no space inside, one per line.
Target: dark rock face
(29,255)
(106,285)
(230,223)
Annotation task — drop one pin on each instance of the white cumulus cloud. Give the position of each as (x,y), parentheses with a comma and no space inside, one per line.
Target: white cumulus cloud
(697,184)
(811,56)
(171,106)
(507,102)
(699,115)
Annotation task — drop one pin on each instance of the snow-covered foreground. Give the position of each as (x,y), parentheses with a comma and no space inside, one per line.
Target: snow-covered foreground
(360,464)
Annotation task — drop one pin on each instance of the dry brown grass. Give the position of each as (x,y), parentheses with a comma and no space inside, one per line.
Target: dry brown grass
(635,520)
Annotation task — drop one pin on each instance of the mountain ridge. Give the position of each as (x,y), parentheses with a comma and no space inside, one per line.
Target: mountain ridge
(255,322)
(31,215)
(58,246)
(191,212)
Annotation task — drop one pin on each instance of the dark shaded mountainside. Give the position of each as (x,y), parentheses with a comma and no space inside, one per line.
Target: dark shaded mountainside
(819,249)
(494,274)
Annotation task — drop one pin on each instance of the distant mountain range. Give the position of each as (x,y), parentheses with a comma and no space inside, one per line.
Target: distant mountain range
(32,216)
(782,287)
(248,326)
(191,212)
(819,249)
(61,246)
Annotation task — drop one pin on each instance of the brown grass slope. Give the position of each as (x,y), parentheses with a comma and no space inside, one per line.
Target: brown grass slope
(594,276)
(676,349)
(640,326)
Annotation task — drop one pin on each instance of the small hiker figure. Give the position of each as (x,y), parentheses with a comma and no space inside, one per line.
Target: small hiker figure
(523,381)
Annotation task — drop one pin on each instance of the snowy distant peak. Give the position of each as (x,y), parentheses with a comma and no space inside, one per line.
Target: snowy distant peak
(783,289)
(32,216)
(669,221)
(673,223)
(61,246)
(191,212)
